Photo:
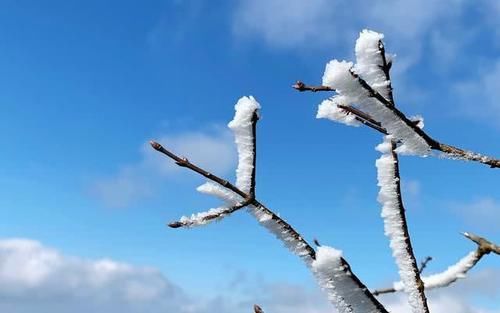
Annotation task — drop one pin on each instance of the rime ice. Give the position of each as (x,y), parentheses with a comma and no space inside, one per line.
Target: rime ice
(393,215)
(241,125)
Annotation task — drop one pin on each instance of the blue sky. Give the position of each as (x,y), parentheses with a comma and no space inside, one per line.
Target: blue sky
(85,85)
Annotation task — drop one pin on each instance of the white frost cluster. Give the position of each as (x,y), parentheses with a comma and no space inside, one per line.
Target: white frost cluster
(393,223)
(281,232)
(199,219)
(330,109)
(241,125)
(341,76)
(369,59)
(336,280)
(224,194)
(447,277)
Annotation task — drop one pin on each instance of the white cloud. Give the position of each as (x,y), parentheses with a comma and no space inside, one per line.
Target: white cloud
(213,151)
(482,214)
(285,23)
(290,23)
(479,96)
(34,278)
(38,279)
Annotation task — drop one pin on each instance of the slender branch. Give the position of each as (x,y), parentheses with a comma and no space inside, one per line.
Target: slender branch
(255,119)
(423,264)
(284,226)
(406,233)
(434,144)
(386,68)
(364,118)
(209,217)
(257,309)
(484,247)
(183,162)
(300,86)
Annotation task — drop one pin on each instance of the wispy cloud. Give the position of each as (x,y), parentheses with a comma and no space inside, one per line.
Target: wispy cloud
(291,23)
(481,214)
(213,150)
(285,23)
(478,96)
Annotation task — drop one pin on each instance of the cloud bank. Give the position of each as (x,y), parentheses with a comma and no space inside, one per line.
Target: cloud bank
(38,279)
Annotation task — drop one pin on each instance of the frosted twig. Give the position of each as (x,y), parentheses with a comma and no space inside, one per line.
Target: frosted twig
(369,58)
(206,217)
(267,218)
(396,227)
(454,272)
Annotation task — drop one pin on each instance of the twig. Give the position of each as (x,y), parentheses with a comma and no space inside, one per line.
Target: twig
(386,68)
(257,309)
(364,118)
(434,144)
(484,247)
(423,264)
(209,217)
(255,119)
(300,86)
(249,200)
(406,233)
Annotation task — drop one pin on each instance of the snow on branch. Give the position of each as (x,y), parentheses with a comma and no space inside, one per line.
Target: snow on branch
(366,93)
(372,63)
(395,225)
(343,288)
(243,127)
(204,218)
(353,296)
(454,272)
(348,83)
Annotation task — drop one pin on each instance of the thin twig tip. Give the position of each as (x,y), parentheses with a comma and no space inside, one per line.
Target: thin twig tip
(175,225)
(155,145)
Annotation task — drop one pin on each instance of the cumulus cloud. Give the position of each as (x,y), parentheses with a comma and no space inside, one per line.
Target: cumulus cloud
(214,151)
(38,279)
(34,278)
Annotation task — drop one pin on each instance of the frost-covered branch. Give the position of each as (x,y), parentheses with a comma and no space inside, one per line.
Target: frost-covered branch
(396,227)
(457,271)
(364,90)
(208,216)
(344,288)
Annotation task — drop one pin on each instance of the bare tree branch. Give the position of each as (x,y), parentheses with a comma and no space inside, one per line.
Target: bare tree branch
(210,216)
(423,264)
(300,86)
(255,119)
(396,226)
(285,229)
(484,247)
(257,309)
(451,151)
